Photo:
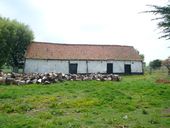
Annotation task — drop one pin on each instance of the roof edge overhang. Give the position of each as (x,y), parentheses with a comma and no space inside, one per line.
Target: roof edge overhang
(83,44)
(86,59)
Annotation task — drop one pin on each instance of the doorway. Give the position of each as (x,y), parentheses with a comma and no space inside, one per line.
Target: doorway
(73,68)
(127,69)
(109,68)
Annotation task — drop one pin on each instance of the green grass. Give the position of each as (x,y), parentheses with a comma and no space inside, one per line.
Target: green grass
(8,69)
(135,102)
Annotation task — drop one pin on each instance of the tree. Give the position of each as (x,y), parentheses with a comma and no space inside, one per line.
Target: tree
(6,31)
(164,23)
(166,63)
(14,39)
(142,56)
(155,64)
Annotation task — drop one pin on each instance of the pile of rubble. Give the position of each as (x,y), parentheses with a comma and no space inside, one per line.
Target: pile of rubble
(48,78)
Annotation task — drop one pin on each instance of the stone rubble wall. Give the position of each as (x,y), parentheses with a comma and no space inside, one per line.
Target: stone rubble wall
(48,78)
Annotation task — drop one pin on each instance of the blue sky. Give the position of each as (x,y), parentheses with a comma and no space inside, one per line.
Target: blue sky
(92,22)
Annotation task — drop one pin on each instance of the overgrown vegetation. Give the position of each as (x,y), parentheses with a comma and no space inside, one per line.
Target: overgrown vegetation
(135,102)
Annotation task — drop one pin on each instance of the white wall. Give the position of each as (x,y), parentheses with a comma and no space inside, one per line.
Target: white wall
(41,66)
(97,66)
(137,66)
(118,66)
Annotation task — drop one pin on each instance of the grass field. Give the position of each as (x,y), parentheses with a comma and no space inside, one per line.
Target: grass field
(135,102)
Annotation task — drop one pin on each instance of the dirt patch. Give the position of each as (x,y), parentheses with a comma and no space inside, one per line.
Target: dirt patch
(166,113)
(164,81)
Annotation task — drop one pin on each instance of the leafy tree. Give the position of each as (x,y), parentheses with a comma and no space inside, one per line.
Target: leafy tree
(142,56)
(14,39)
(6,31)
(155,64)
(164,17)
(166,63)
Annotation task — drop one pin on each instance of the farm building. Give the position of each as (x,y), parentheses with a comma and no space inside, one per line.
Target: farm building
(82,58)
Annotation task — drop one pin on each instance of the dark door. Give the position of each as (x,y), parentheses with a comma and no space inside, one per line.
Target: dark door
(109,68)
(127,69)
(73,68)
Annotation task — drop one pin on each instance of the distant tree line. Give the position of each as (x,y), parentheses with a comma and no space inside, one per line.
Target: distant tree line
(14,39)
(156,64)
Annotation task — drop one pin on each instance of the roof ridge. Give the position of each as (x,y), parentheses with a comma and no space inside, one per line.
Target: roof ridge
(81,44)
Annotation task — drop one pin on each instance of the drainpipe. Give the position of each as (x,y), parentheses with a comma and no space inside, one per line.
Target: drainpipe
(87,70)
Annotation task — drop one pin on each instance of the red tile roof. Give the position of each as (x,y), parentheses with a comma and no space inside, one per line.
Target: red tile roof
(41,50)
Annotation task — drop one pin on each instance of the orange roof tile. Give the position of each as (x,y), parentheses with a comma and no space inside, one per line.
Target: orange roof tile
(41,50)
